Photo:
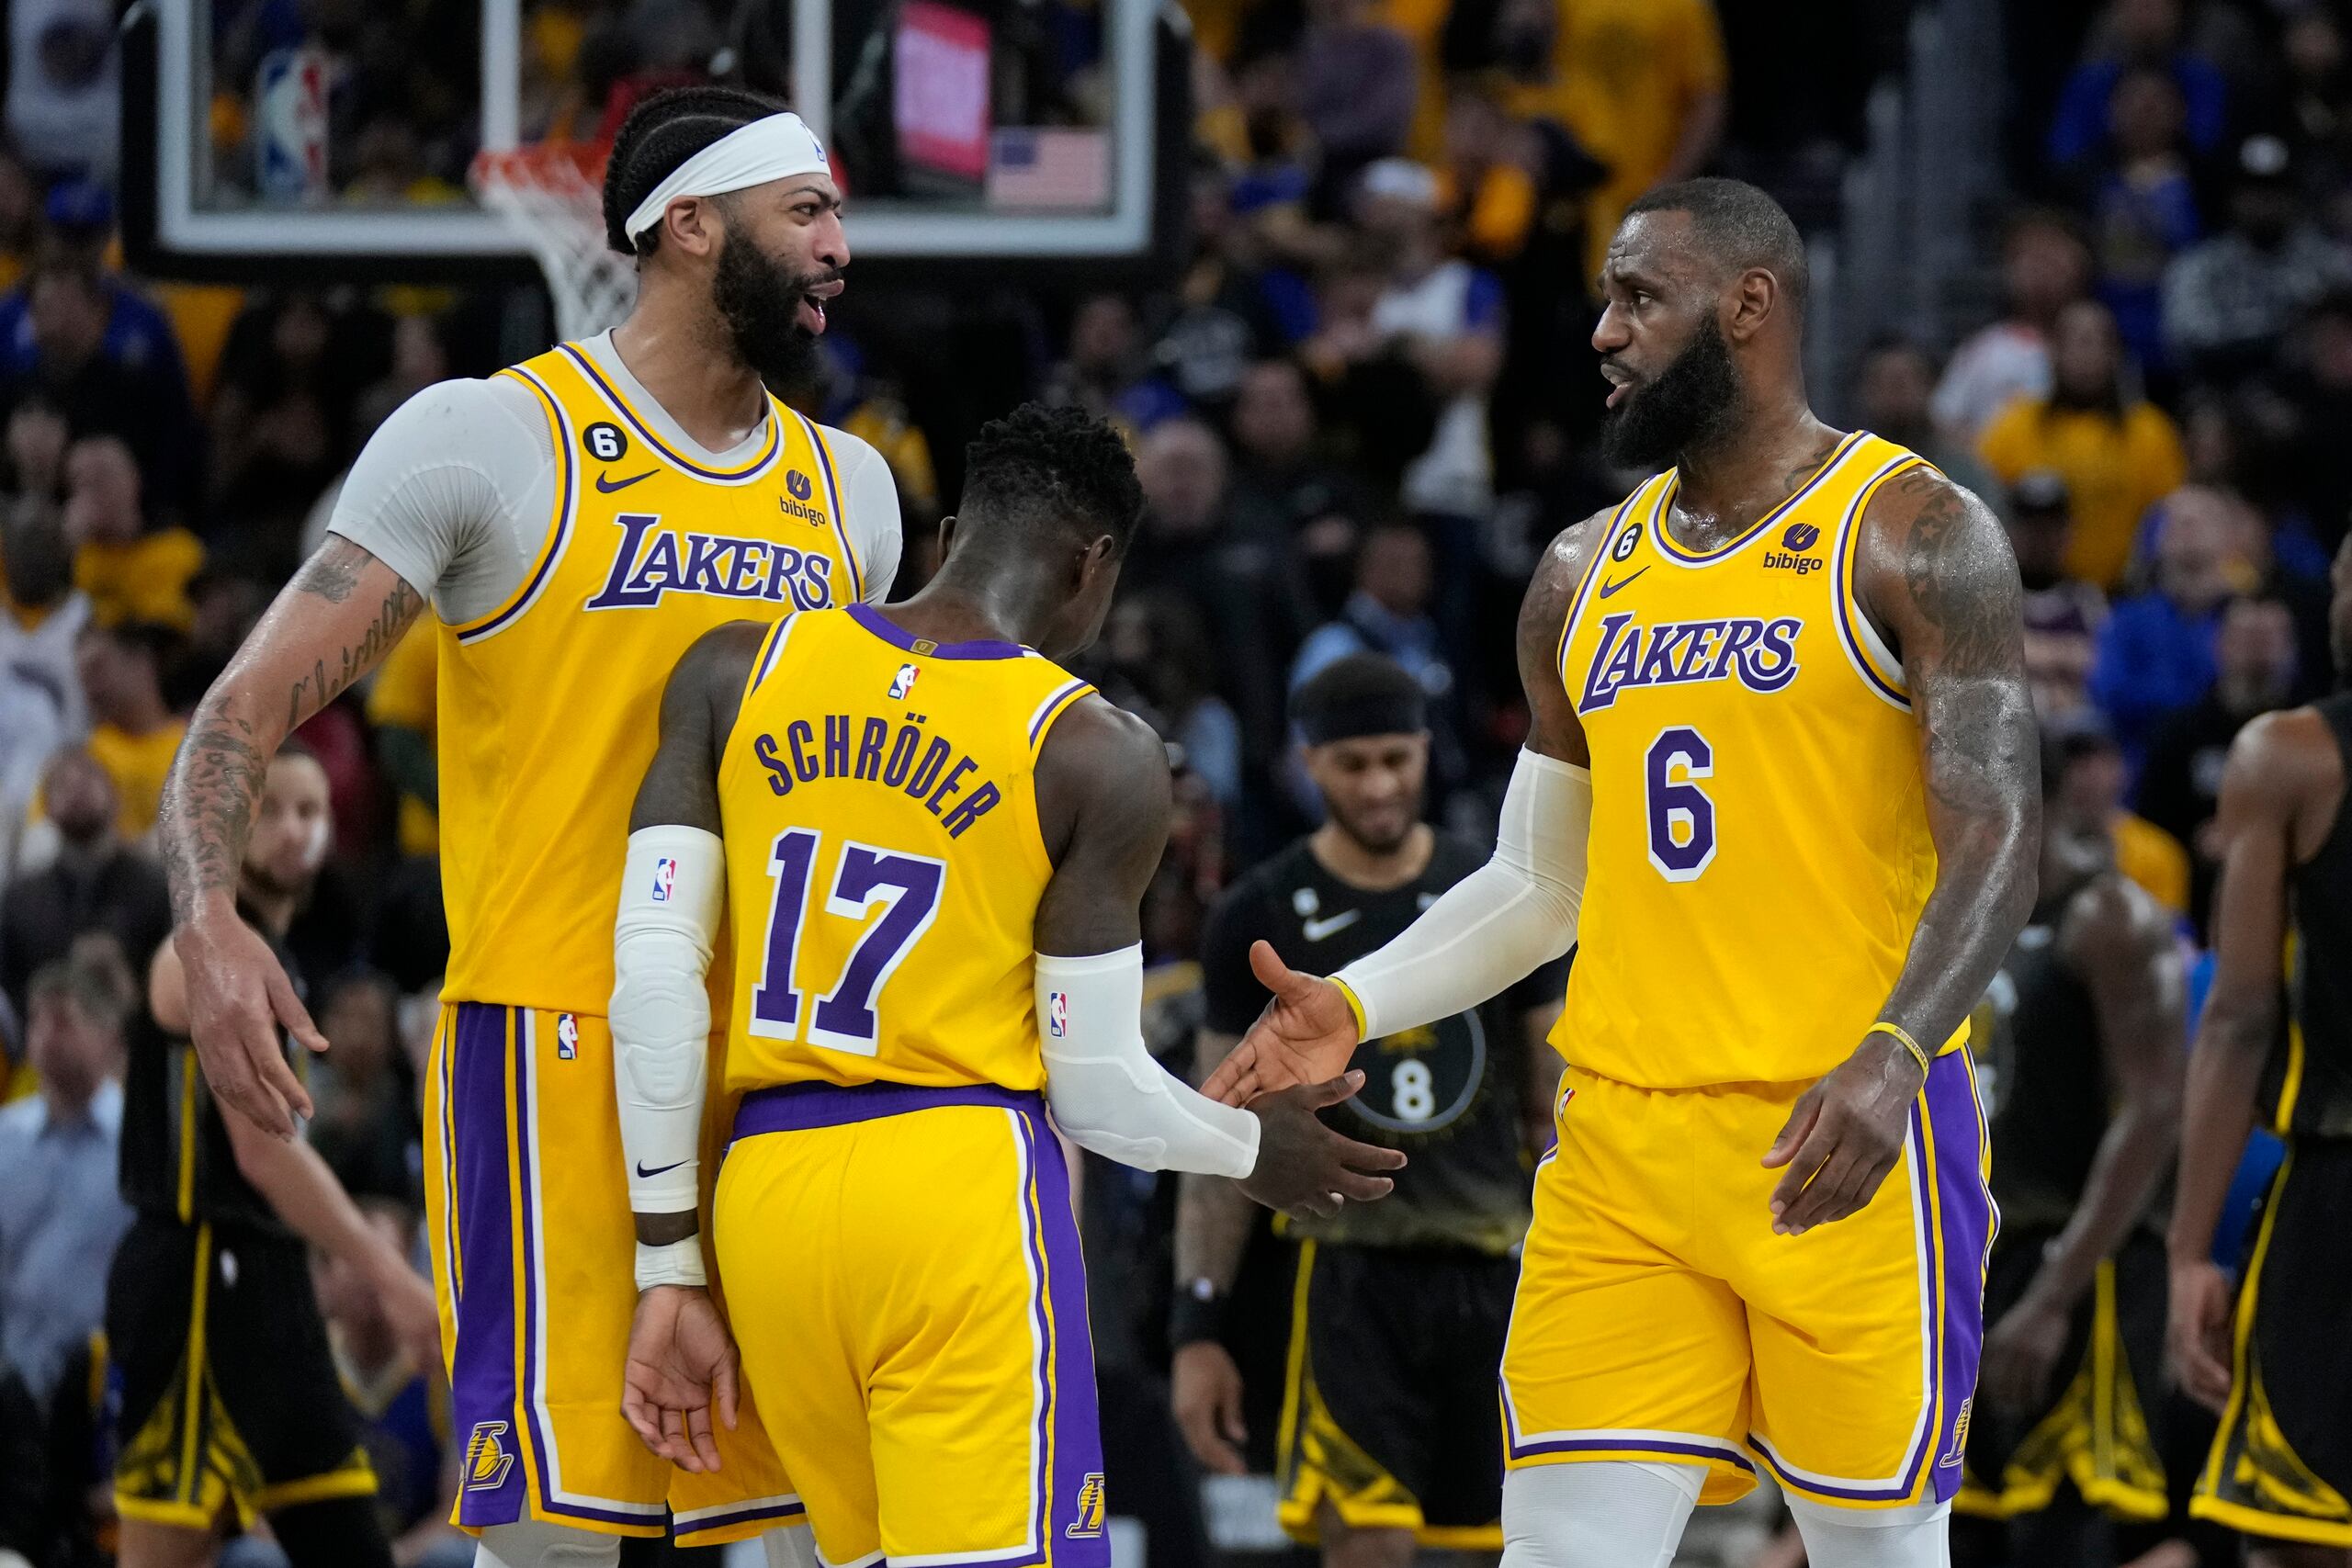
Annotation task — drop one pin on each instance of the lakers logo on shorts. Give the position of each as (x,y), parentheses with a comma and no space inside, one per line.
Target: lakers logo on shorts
(487,1460)
(1958,1437)
(1087,1522)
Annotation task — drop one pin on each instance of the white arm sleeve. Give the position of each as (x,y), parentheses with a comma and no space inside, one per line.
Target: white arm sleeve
(1495,926)
(870,503)
(670,899)
(1105,1090)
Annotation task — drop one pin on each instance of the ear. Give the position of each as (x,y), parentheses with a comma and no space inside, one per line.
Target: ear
(1099,556)
(1754,293)
(693,224)
(947,534)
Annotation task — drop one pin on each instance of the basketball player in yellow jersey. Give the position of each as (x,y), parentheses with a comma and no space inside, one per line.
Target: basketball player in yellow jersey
(1782,786)
(576,522)
(931,842)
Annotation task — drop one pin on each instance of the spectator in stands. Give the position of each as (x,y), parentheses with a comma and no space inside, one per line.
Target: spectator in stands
(1445,317)
(2137,35)
(366,1125)
(1379,407)
(1238,586)
(20,214)
(2318,381)
(2045,267)
(1167,669)
(1893,389)
(290,377)
(2144,207)
(95,883)
(1390,613)
(2314,104)
(2228,300)
(130,572)
(36,438)
(132,734)
(1359,83)
(1280,482)
(1102,372)
(41,613)
(107,359)
(64,85)
(2098,777)
(2254,657)
(1642,84)
(2116,452)
(60,1212)
(2063,614)
(2156,653)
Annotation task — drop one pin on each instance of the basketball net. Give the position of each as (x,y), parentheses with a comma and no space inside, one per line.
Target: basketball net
(553,196)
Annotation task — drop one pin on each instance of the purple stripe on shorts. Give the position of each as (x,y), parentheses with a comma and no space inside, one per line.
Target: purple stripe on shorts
(1632,1446)
(1074,1509)
(481,1394)
(798,1107)
(686,1530)
(1966,1208)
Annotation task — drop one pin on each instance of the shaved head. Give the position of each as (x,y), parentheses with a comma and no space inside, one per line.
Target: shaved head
(1737,226)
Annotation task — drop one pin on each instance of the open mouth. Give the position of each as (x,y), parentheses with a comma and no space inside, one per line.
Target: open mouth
(810,310)
(1621,383)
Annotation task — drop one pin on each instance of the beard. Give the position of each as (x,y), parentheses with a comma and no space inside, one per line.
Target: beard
(1692,401)
(759,298)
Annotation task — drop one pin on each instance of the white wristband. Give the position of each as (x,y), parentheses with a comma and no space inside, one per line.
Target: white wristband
(674,1263)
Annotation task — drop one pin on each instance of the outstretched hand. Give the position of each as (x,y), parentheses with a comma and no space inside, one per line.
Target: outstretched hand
(1305,1036)
(681,1362)
(1305,1169)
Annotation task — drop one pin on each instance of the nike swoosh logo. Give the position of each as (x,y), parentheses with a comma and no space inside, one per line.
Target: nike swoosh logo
(1315,930)
(645,1174)
(623,484)
(1609,588)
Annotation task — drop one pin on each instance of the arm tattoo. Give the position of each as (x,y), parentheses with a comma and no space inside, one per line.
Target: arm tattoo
(216,780)
(334,581)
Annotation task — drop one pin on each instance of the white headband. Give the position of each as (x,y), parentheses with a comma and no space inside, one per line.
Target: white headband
(772,149)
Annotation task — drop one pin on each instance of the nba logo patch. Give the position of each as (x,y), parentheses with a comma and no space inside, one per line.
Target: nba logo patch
(487,1460)
(1087,1521)
(1056,1013)
(904,681)
(665,879)
(567,1037)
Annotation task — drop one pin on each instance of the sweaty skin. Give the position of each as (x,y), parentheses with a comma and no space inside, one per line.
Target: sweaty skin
(1934,574)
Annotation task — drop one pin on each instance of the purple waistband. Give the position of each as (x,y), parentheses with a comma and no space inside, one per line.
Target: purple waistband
(797,1106)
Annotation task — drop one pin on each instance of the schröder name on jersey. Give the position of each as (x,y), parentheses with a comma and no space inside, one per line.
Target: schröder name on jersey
(1762,653)
(652,560)
(903,757)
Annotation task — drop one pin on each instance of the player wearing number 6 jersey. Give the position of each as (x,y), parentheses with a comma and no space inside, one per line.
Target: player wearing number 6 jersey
(931,841)
(1781,783)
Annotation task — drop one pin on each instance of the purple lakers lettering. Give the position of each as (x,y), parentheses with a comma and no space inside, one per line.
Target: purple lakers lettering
(652,560)
(901,756)
(1762,654)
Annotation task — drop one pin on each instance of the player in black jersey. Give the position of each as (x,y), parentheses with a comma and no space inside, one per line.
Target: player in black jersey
(2280,1368)
(230,1404)
(1389,1435)
(2082,1048)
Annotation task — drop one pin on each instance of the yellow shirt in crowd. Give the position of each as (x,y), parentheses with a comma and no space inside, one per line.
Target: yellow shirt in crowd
(2115,470)
(137,763)
(146,580)
(2153,858)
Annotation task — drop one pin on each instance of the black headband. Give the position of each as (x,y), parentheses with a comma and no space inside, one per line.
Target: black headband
(1404,711)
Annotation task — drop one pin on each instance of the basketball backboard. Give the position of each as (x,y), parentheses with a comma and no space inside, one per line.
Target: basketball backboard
(327,142)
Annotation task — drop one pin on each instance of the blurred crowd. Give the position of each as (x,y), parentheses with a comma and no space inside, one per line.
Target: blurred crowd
(1361,405)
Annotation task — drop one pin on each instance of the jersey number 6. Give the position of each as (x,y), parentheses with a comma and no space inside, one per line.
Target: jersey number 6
(1681,815)
(905,887)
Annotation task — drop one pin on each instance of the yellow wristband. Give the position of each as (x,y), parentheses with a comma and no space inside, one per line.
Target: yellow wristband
(1902,1037)
(1355,1003)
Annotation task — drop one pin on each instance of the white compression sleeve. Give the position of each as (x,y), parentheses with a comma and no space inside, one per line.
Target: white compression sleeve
(1105,1090)
(1597,1514)
(1494,927)
(1917,1536)
(671,897)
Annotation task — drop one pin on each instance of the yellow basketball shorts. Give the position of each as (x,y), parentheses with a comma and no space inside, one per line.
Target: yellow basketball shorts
(534,1255)
(1659,1318)
(913,1306)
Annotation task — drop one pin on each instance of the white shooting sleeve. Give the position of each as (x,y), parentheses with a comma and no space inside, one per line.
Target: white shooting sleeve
(671,896)
(1105,1090)
(1492,928)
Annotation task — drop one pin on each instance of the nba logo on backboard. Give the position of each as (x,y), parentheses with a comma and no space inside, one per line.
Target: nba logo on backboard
(665,879)
(1056,1013)
(567,1037)
(905,682)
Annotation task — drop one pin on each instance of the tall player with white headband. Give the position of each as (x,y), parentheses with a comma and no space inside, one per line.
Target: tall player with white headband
(575,522)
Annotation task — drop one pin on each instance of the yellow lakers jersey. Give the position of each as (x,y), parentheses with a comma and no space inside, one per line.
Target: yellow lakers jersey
(884,859)
(547,705)
(1760,850)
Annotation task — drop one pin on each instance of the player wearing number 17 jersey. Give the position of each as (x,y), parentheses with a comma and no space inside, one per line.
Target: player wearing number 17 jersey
(1781,786)
(931,841)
